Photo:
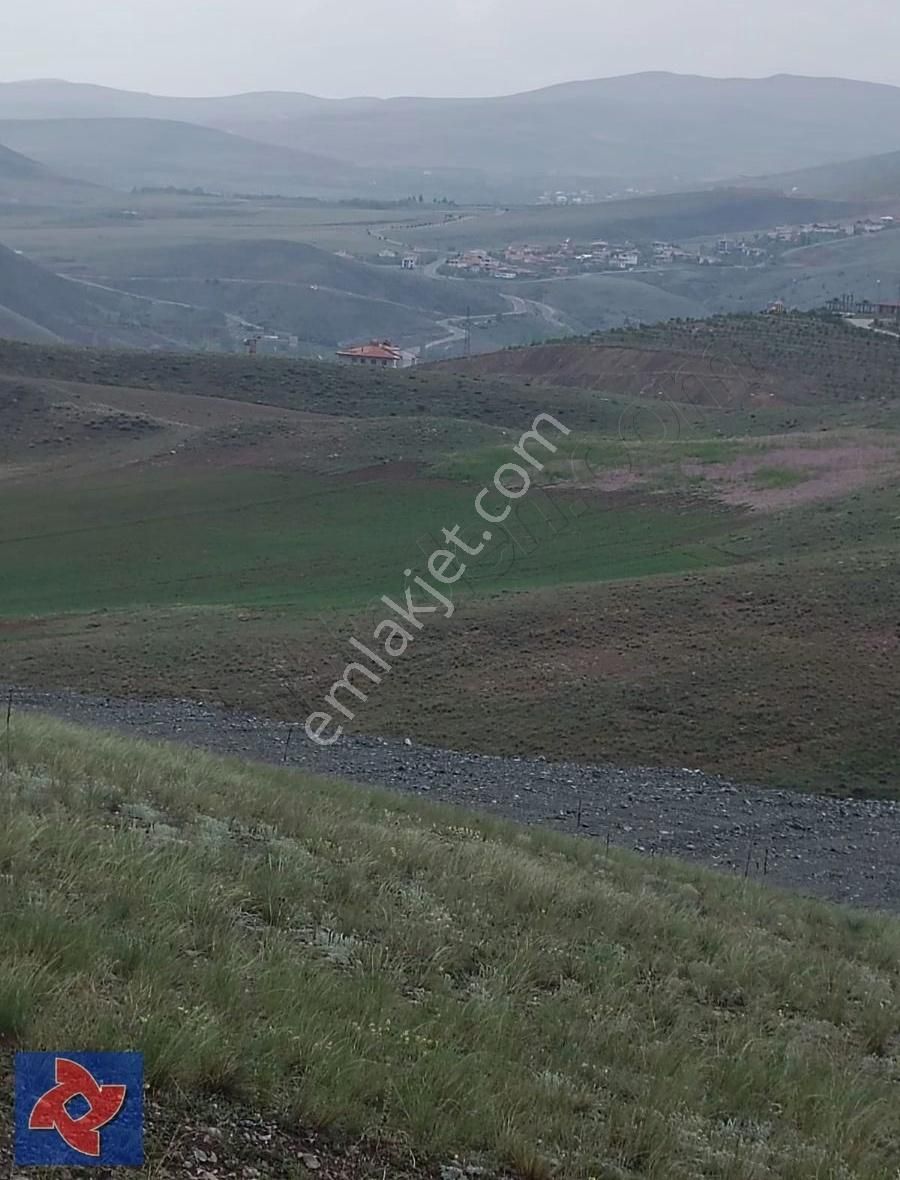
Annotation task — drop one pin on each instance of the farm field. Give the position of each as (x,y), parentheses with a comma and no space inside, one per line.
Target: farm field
(688,582)
(95,235)
(251,539)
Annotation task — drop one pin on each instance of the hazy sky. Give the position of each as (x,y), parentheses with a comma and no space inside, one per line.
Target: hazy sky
(450,47)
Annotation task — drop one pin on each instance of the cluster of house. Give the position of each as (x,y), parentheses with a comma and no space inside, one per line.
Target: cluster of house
(528,261)
(525,261)
(818,231)
(567,198)
(582,197)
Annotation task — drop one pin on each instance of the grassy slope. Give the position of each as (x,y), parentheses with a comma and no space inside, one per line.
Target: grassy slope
(858,179)
(299,288)
(669,630)
(87,315)
(305,385)
(254,539)
(663,627)
(297,265)
(819,355)
(378,966)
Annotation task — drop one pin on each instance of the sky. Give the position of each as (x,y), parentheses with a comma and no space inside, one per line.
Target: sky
(338,48)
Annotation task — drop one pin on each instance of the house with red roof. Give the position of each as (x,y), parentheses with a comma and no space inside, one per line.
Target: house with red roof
(380,353)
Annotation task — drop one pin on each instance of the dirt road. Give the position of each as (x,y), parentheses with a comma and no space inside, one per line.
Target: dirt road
(846,850)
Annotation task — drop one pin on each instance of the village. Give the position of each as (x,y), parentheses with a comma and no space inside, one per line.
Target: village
(523,261)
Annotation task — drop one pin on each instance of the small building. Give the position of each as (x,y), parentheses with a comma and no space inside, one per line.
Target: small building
(410,262)
(625,260)
(378,353)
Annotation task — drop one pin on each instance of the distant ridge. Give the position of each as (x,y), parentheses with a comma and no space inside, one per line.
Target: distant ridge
(15,166)
(870,178)
(135,152)
(657,128)
(25,182)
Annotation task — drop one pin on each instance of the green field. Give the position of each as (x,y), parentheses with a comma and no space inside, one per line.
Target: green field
(691,585)
(290,541)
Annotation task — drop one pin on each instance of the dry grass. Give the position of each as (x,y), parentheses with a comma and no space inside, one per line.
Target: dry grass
(388,968)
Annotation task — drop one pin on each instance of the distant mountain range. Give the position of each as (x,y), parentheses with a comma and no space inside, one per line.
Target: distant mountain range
(651,130)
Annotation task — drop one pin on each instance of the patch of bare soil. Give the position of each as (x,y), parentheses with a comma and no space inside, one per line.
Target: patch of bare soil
(16,626)
(212,1139)
(677,376)
(823,473)
(620,479)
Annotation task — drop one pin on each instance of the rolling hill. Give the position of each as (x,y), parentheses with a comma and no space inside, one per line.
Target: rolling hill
(38,305)
(870,178)
(324,299)
(796,358)
(215,527)
(128,153)
(656,128)
(25,182)
(14,166)
(199,295)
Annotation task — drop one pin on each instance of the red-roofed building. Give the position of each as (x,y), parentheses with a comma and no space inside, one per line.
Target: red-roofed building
(380,353)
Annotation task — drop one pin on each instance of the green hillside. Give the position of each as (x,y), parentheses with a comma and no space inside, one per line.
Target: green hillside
(39,304)
(798,358)
(842,363)
(299,265)
(703,562)
(354,968)
(315,294)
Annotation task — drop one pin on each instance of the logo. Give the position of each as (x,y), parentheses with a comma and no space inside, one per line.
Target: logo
(80,1108)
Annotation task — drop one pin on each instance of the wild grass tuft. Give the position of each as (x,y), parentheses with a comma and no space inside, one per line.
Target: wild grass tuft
(380,966)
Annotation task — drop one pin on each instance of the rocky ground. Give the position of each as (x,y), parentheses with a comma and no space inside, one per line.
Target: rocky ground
(213,1140)
(845,850)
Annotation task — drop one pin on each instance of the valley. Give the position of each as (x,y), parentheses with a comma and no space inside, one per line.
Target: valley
(449,595)
(703,521)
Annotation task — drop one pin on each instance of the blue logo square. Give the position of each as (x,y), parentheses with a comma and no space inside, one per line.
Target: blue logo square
(80,1108)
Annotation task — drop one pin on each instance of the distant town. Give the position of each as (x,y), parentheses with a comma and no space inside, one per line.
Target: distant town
(523,261)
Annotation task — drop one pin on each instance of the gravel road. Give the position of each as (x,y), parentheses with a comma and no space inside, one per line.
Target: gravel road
(846,850)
